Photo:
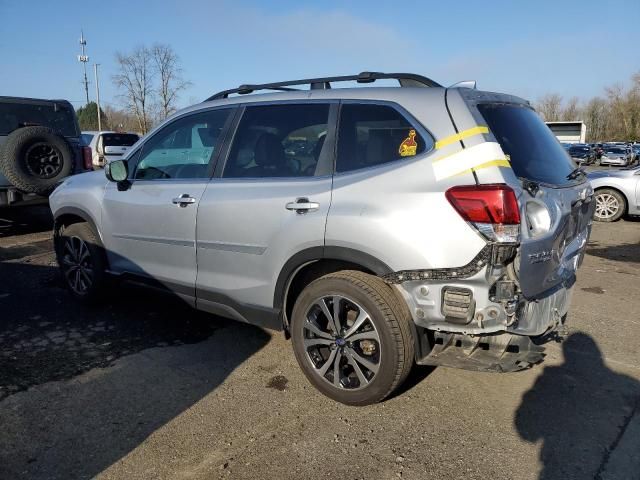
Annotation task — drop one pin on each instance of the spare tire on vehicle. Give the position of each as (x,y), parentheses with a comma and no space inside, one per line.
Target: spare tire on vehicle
(35,159)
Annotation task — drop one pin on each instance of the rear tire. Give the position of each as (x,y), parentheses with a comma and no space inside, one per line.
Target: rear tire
(610,205)
(373,350)
(82,261)
(35,159)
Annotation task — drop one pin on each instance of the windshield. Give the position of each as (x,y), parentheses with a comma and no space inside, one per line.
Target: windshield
(119,139)
(614,150)
(533,150)
(86,138)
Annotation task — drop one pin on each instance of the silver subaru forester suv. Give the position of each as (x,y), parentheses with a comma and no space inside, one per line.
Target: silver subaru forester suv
(378,227)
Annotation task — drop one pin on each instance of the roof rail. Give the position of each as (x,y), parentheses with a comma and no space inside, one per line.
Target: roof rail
(404,79)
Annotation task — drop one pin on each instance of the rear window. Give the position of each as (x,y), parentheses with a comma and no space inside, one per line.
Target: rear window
(534,152)
(57,116)
(119,139)
(371,135)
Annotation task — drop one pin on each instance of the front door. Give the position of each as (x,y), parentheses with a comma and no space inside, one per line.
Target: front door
(270,202)
(149,229)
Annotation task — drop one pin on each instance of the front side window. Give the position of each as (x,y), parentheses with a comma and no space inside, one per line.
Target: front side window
(278,141)
(371,135)
(184,148)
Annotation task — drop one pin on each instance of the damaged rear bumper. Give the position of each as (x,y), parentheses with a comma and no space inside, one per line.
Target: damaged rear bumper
(490,338)
(502,352)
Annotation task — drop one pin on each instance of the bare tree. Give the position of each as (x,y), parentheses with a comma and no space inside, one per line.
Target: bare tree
(120,120)
(572,110)
(167,66)
(135,78)
(550,107)
(595,115)
(625,110)
(613,118)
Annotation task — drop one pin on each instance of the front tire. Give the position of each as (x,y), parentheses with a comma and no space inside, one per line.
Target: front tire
(610,205)
(352,338)
(82,261)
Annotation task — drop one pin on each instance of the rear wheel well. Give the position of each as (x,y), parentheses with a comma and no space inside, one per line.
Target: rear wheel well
(626,200)
(310,272)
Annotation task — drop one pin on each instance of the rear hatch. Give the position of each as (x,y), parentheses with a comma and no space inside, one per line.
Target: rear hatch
(115,145)
(556,201)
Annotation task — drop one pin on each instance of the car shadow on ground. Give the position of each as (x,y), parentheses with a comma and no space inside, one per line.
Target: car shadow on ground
(578,411)
(629,252)
(25,220)
(121,381)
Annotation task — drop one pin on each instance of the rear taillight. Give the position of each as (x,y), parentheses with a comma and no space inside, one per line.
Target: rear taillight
(492,209)
(86,158)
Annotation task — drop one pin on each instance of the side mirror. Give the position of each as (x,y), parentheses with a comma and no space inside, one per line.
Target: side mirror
(118,171)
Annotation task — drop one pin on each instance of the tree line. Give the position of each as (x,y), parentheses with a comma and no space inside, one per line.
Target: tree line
(614,116)
(149,81)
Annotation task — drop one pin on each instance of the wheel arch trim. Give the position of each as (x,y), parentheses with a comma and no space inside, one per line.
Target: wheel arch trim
(315,254)
(75,211)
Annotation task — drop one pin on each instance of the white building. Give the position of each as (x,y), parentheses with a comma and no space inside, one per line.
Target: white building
(569,132)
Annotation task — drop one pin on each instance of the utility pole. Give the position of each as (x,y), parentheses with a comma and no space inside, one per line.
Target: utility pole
(83,58)
(95,70)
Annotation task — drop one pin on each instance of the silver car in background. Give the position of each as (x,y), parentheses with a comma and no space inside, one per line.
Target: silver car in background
(378,227)
(617,192)
(618,156)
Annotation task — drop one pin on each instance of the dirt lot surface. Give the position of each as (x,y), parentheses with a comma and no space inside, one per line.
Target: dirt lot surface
(144,387)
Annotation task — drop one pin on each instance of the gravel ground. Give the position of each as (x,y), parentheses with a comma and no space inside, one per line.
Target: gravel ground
(144,387)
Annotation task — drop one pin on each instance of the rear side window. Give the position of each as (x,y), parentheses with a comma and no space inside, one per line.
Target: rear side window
(372,135)
(279,141)
(119,139)
(533,150)
(57,116)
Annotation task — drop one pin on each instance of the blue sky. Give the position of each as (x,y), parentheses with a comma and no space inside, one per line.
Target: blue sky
(526,48)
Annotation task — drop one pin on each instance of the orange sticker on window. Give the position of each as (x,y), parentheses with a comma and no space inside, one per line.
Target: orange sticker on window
(409,146)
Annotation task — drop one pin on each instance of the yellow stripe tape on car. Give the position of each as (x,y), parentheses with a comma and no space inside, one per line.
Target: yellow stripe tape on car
(461,136)
(483,155)
(490,163)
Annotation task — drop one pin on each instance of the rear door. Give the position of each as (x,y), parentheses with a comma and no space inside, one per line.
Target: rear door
(557,203)
(269,202)
(149,228)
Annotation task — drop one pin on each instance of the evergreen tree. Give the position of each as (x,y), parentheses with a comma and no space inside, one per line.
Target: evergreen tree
(88,118)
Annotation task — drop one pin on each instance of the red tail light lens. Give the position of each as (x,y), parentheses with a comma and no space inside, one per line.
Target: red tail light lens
(495,203)
(86,158)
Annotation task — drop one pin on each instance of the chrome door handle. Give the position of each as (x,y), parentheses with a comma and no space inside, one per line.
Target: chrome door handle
(302,205)
(183,200)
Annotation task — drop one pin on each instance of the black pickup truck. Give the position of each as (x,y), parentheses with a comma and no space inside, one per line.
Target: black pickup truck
(39,146)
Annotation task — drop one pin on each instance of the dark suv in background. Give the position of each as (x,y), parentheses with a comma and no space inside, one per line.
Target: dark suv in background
(39,146)
(582,153)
